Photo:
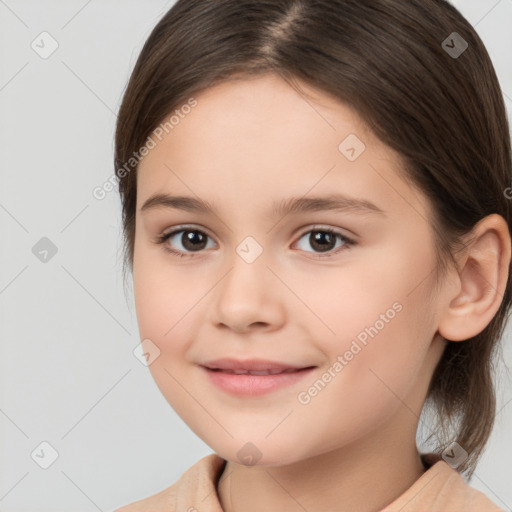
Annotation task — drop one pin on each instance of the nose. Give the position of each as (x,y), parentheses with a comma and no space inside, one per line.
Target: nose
(248,296)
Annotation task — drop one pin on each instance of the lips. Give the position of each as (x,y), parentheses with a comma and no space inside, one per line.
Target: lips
(245,382)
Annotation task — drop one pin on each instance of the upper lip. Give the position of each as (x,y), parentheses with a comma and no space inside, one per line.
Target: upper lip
(250,364)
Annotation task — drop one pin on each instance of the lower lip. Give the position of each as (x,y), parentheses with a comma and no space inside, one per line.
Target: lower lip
(254,385)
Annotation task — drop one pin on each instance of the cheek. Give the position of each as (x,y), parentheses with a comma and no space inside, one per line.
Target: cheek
(167,308)
(378,317)
(167,301)
(369,296)
(376,365)
(165,292)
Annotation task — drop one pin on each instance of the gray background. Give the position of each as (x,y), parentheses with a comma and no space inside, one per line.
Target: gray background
(68,373)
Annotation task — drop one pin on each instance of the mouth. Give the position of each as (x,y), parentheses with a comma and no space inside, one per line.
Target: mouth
(245,382)
(259,372)
(252,365)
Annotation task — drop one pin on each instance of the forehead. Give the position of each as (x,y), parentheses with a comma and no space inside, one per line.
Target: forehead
(271,110)
(238,117)
(261,138)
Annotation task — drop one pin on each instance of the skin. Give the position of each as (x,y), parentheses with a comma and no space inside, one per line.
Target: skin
(245,145)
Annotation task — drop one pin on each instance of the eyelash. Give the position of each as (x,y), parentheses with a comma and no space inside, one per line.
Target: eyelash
(348,242)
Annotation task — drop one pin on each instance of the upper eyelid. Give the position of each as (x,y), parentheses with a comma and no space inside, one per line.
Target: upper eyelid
(186,227)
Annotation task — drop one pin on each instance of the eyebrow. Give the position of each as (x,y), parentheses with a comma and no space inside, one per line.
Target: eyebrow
(335,202)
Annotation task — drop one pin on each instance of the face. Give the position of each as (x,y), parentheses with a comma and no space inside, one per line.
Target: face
(340,285)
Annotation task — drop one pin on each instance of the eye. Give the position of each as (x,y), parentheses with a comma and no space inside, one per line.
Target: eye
(324,240)
(191,240)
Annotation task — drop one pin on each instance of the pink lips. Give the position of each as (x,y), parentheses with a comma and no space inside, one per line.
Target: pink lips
(253,377)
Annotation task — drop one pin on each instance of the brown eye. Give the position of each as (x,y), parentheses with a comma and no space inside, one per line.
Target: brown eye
(193,240)
(184,241)
(324,240)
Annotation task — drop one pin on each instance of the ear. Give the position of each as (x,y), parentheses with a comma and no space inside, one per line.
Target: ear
(481,280)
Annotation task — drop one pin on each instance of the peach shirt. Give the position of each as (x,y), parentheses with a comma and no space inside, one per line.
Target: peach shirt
(440,489)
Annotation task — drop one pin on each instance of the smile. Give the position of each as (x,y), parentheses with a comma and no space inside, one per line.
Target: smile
(242,382)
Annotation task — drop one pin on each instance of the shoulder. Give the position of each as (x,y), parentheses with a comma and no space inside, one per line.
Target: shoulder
(195,485)
(456,492)
(442,488)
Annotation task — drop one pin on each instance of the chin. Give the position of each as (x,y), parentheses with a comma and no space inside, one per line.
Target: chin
(260,454)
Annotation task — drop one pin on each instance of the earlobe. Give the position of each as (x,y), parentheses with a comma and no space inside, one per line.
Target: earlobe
(482,277)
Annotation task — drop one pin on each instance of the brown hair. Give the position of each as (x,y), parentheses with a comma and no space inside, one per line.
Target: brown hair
(443,113)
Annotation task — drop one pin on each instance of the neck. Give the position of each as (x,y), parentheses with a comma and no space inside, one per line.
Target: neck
(364,477)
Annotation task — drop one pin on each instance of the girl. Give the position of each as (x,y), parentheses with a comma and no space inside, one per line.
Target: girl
(316,219)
